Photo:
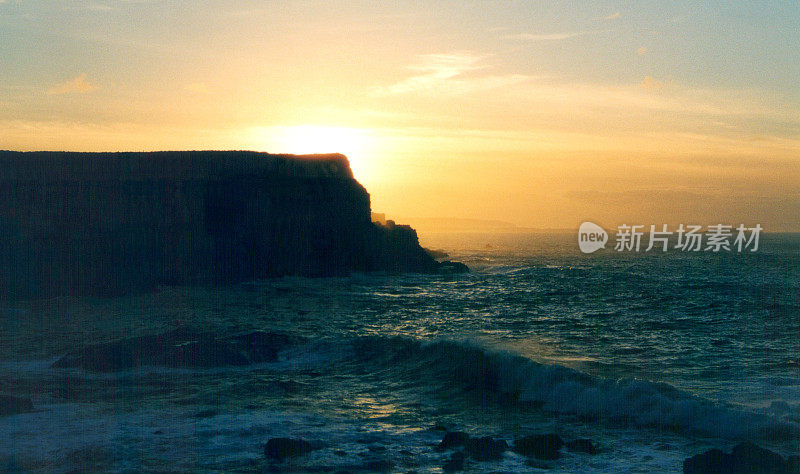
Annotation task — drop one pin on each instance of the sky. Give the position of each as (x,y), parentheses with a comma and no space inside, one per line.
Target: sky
(541,114)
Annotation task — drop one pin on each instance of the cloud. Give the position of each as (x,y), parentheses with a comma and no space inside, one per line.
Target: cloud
(641,51)
(651,84)
(447,74)
(79,85)
(547,36)
(613,16)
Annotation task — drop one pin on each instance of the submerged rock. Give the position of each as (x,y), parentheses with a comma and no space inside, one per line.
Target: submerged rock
(757,459)
(453,439)
(453,267)
(793,464)
(282,448)
(178,348)
(582,446)
(13,405)
(546,446)
(485,449)
(711,461)
(745,457)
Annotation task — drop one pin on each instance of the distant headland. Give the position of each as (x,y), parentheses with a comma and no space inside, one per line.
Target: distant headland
(112,223)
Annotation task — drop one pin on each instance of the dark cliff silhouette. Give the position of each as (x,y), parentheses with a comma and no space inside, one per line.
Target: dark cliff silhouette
(111,223)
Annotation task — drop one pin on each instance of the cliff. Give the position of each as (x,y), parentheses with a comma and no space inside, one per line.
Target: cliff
(110,223)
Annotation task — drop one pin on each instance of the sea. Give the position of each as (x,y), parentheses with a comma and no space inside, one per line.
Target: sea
(653,356)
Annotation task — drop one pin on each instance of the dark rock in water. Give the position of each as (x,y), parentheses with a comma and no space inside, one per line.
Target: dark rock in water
(582,446)
(709,462)
(13,405)
(546,446)
(453,439)
(793,464)
(453,267)
(438,254)
(485,449)
(455,463)
(178,348)
(282,448)
(127,222)
(757,459)
(745,457)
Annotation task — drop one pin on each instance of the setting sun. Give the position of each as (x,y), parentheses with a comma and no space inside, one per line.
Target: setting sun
(307,139)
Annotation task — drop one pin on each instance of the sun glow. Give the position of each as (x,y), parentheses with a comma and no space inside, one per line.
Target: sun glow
(306,139)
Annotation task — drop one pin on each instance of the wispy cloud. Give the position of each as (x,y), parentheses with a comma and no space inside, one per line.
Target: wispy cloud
(447,74)
(613,16)
(547,36)
(79,85)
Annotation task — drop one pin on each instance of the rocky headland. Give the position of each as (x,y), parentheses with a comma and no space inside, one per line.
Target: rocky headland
(114,223)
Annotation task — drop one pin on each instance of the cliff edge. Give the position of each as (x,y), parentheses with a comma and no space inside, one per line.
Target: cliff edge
(111,223)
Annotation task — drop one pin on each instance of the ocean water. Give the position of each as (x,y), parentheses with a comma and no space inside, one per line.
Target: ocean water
(654,357)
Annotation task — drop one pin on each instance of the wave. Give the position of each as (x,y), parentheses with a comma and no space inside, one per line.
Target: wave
(510,378)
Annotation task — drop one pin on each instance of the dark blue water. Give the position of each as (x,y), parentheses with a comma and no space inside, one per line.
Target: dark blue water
(655,357)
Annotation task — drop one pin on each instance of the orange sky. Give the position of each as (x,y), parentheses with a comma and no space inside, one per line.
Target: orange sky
(539,114)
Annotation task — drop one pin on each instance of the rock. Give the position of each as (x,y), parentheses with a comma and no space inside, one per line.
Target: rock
(178,348)
(546,446)
(745,457)
(128,222)
(455,463)
(756,459)
(793,464)
(452,439)
(709,462)
(438,254)
(452,267)
(485,449)
(339,452)
(582,446)
(282,448)
(13,405)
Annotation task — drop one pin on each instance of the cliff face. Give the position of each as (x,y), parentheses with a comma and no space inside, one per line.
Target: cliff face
(109,223)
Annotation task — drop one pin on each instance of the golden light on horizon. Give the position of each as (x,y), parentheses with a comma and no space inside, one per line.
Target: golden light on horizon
(542,117)
(354,143)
